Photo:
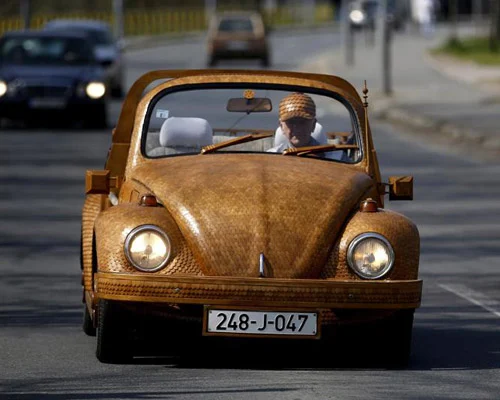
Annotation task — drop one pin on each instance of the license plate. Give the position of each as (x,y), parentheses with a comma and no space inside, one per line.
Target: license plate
(47,102)
(237,45)
(282,323)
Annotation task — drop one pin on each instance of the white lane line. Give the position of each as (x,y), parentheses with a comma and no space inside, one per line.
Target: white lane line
(474,297)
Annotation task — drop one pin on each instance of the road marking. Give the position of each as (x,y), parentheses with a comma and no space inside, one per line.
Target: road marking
(474,297)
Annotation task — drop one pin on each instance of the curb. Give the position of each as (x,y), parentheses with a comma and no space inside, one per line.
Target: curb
(471,141)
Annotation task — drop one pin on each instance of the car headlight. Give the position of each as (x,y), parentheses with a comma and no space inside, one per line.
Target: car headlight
(356,16)
(3,88)
(370,255)
(147,248)
(95,90)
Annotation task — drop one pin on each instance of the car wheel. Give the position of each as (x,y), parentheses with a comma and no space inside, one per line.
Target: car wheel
(88,325)
(398,333)
(112,334)
(386,342)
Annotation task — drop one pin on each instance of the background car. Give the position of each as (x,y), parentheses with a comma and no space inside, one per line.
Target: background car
(200,229)
(238,35)
(363,14)
(108,50)
(43,72)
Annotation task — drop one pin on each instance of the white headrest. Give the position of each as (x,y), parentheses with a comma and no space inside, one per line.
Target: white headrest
(185,132)
(280,138)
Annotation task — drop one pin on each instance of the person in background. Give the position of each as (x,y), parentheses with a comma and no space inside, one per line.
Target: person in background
(424,14)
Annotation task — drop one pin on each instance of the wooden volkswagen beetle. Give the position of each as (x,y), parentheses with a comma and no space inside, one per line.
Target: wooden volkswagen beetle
(207,212)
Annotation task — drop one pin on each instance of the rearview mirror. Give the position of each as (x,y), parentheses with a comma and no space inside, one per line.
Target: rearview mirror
(241,104)
(401,188)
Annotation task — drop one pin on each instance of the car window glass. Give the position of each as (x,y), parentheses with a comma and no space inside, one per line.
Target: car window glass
(100,37)
(335,122)
(236,25)
(45,50)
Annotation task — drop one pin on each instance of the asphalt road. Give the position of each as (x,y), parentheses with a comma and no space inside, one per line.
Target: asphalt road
(45,355)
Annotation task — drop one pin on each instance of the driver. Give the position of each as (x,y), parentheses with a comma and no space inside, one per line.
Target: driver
(297,117)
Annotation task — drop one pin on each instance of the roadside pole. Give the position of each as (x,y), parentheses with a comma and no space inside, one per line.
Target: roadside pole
(477,15)
(348,35)
(118,16)
(386,24)
(25,9)
(210,9)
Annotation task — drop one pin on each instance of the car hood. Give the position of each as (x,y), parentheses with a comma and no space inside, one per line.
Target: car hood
(40,74)
(232,208)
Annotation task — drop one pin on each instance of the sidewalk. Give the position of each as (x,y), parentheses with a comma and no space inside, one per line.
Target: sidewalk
(448,102)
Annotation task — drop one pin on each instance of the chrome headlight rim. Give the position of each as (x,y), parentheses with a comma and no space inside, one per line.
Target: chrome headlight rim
(370,235)
(134,232)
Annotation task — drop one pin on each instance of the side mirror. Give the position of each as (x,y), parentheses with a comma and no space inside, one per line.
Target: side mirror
(100,182)
(401,188)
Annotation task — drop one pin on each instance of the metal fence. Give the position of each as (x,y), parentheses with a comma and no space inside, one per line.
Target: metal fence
(178,20)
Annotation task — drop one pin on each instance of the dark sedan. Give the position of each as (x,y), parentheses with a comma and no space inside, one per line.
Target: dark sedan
(44,73)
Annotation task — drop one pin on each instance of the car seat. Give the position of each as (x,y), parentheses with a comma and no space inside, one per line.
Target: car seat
(183,135)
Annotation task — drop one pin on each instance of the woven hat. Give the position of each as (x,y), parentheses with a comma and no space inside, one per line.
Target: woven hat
(297,105)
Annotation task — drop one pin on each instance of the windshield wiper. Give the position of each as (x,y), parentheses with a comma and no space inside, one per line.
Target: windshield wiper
(303,151)
(231,142)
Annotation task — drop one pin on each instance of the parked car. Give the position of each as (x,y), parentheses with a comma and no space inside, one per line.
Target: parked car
(201,223)
(51,72)
(238,35)
(107,49)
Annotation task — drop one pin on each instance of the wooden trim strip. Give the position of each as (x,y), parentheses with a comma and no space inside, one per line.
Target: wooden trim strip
(259,292)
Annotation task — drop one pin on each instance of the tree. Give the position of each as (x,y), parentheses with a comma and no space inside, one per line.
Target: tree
(495,26)
(453,10)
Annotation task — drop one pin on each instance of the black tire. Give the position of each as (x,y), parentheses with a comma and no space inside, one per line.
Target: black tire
(389,344)
(88,325)
(113,344)
(398,335)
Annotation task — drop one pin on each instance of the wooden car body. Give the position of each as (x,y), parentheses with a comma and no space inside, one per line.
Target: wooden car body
(248,232)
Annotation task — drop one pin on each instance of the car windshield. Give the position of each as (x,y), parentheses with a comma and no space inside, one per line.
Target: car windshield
(236,25)
(45,50)
(98,36)
(183,122)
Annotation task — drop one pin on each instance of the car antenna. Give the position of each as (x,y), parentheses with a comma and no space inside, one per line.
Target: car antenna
(367,139)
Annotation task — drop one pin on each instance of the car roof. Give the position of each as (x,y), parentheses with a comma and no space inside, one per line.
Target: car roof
(39,33)
(78,23)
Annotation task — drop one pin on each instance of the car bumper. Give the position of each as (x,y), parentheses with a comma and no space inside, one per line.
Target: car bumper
(259,292)
(19,108)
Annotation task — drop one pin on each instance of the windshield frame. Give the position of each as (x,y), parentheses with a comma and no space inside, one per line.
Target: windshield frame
(355,120)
